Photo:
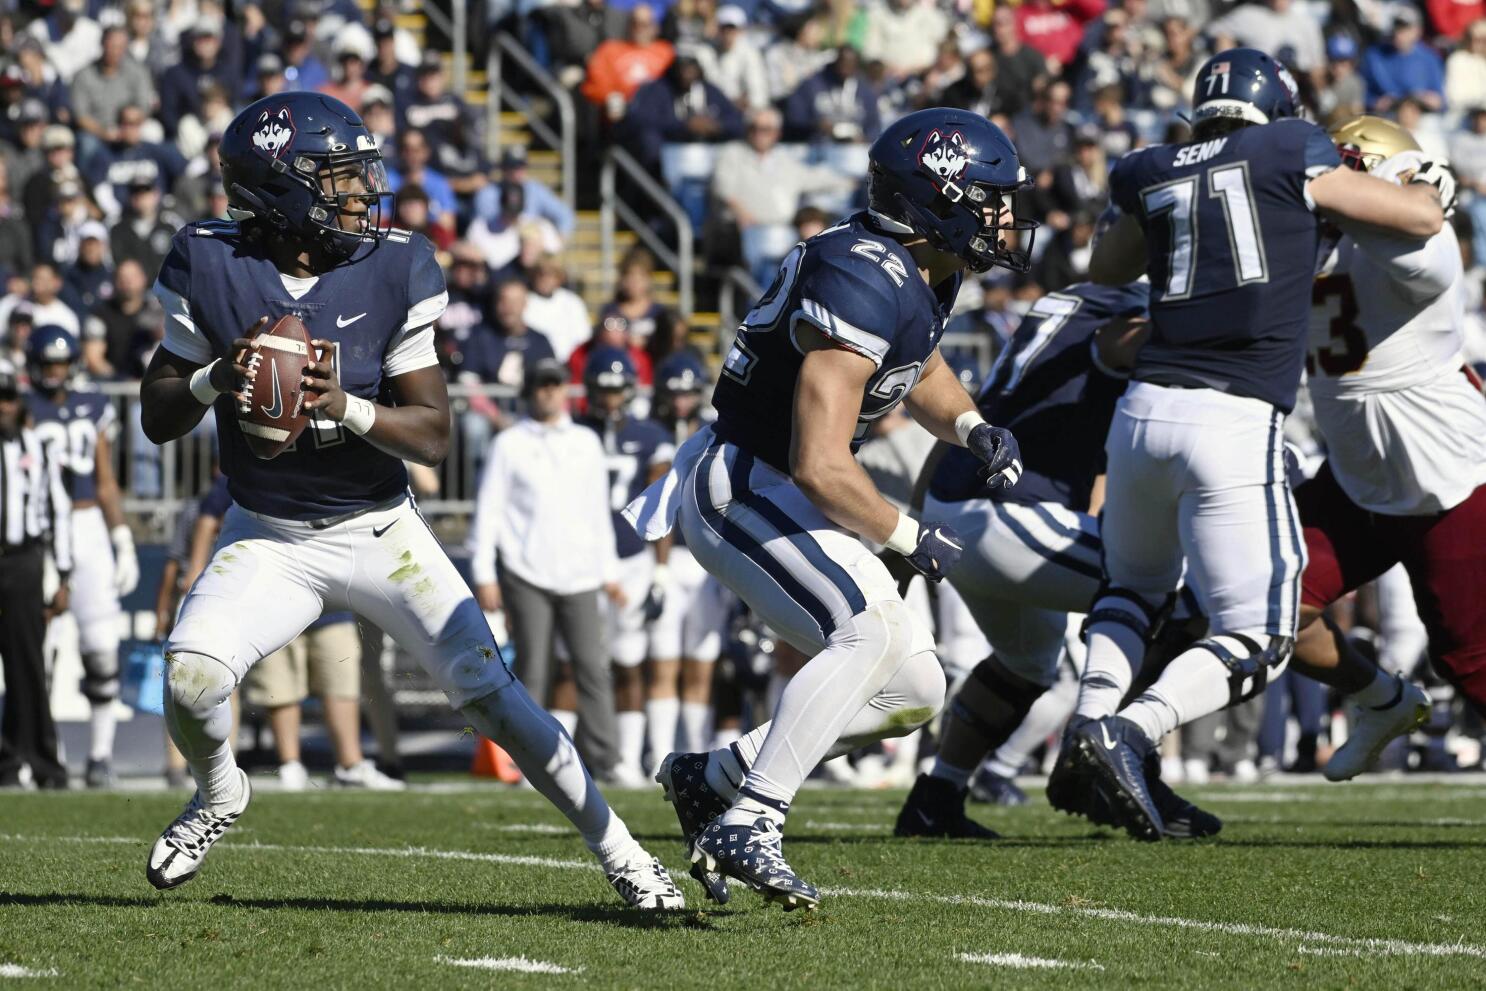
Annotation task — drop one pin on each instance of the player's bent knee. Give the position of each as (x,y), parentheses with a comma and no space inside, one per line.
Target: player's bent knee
(198,683)
(994,700)
(1253,660)
(1129,608)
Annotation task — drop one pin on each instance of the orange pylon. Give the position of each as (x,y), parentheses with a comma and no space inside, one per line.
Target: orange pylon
(493,762)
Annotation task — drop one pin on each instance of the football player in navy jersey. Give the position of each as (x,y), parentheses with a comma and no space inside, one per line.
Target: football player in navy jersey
(771,501)
(79,423)
(638,452)
(1032,552)
(1227,225)
(329,525)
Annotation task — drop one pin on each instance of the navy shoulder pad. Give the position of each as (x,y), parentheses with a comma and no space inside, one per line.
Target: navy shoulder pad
(851,289)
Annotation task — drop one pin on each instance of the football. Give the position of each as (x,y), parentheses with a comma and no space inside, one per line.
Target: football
(273,416)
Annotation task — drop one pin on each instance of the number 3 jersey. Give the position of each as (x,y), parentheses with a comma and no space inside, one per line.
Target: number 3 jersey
(859,288)
(378,309)
(1405,429)
(1232,239)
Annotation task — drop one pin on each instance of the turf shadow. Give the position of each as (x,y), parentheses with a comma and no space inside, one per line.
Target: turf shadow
(606,914)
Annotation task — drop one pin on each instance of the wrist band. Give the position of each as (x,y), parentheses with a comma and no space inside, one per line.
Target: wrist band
(904,539)
(360,415)
(201,384)
(660,574)
(966,422)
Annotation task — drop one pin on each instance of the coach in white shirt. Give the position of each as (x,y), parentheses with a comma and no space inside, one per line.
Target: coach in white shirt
(542,521)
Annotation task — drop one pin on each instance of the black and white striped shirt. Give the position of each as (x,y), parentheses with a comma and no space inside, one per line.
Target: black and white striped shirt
(34,505)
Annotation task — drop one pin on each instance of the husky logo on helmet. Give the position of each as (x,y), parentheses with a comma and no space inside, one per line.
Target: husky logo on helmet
(945,157)
(274,132)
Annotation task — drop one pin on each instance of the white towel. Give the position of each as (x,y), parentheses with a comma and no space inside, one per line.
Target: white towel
(653,512)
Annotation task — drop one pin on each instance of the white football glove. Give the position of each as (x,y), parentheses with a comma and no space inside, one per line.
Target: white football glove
(126,562)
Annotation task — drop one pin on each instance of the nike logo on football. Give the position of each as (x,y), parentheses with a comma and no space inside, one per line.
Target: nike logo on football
(343,322)
(377,533)
(277,410)
(1109,744)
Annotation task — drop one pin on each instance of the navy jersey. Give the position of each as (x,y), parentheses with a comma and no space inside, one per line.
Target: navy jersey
(859,288)
(71,428)
(631,449)
(219,283)
(1232,245)
(1046,388)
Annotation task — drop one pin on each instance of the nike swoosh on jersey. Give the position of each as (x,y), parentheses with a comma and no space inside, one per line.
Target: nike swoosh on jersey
(278,400)
(343,322)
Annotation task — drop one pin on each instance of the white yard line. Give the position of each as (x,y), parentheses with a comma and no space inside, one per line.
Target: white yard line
(520,965)
(1393,947)
(1021,962)
(16,970)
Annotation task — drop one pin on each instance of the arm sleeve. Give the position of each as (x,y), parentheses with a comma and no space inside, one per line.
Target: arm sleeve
(852,301)
(1122,189)
(173,290)
(489,505)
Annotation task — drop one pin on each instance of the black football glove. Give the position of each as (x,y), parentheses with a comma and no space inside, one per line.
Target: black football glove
(1438,175)
(655,601)
(937,551)
(998,449)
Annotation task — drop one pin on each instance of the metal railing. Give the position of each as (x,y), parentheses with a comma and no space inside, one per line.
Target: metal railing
(158,480)
(455,26)
(564,140)
(612,210)
(736,282)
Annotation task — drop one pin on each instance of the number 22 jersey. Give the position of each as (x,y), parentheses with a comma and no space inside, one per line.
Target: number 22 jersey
(1231,237)
(859,288)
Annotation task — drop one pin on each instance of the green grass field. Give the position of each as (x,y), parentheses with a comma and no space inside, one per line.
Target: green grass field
(1374,885)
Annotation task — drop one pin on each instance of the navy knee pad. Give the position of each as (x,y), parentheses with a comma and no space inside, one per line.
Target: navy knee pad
(1006,701)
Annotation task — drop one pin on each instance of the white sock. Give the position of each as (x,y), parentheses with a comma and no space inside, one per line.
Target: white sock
(1382,690)
(1115,652)
(696,725)
(219,780)
(957,776)
(631,737)
(725,736)
(548,759)
(1193,685)
(660,727)
(102,721)
(905,752)
(1046,717)
(746,810)
(567,719)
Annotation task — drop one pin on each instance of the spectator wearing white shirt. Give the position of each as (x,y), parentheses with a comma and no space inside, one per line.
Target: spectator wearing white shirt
(1465,70)
(542,547)
(739,71)
(904,35)
(555,311)
(761,185)
(46,308)
(1279,27)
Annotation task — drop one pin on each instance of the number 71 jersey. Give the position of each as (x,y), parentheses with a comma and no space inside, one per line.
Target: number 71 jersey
(1231,237)
(862,291)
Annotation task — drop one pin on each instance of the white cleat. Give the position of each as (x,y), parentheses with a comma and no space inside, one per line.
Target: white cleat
(177,855)
(644,883)
(1372,729)
(366,775)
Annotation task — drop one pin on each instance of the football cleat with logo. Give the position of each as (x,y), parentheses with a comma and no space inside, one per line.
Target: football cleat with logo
(1372,730)
(754,855)
(178,854)
(645,883)
(683,777)
(935,807)
(1112,753)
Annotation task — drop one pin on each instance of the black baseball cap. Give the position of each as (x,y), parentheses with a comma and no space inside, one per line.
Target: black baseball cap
(547,371)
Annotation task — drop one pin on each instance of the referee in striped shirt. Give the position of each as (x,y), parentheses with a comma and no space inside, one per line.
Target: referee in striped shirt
(35,513)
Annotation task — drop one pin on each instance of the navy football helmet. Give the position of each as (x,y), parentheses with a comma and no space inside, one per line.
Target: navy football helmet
(51,345)
(609,368)
(951,177)
(681,372)
(1239,87)
(305,166)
